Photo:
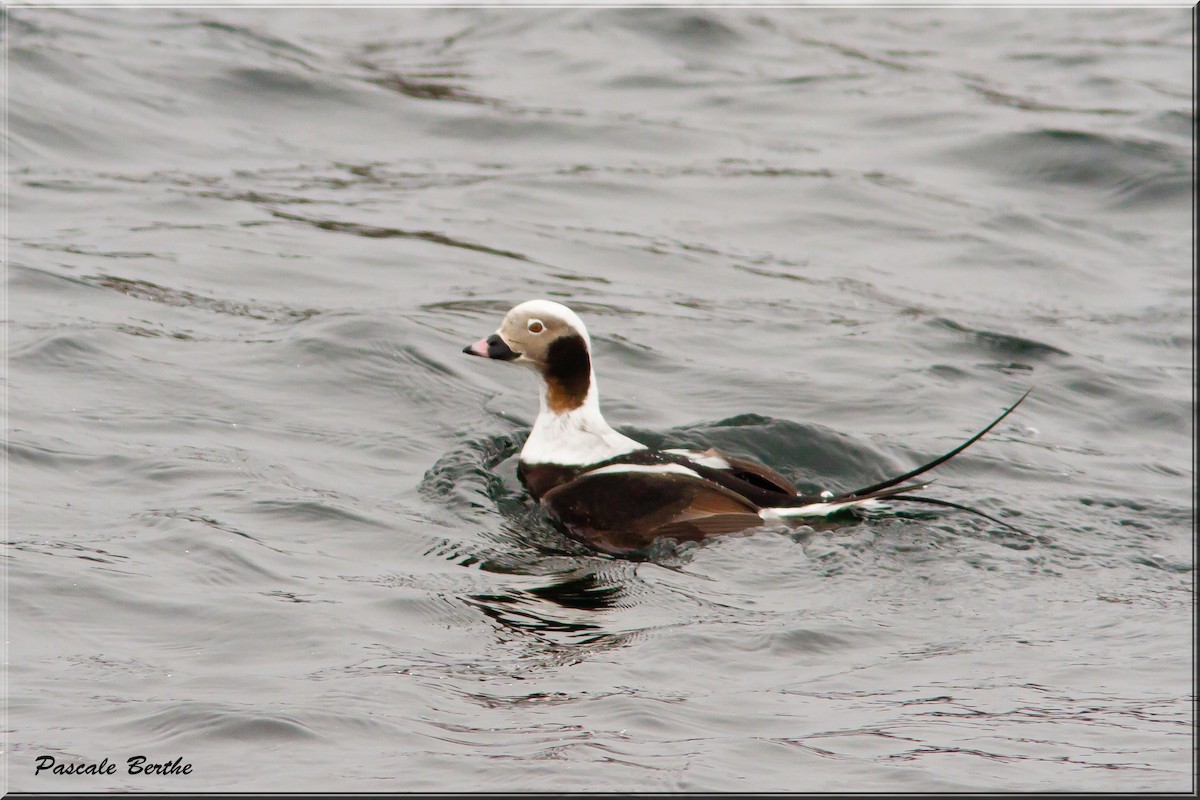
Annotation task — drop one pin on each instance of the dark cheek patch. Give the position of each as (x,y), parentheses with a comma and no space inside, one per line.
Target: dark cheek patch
(568,373)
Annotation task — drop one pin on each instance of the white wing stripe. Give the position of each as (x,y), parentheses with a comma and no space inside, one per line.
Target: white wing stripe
(678,469)
(704,460)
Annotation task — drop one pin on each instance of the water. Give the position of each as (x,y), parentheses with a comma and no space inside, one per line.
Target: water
(263,514)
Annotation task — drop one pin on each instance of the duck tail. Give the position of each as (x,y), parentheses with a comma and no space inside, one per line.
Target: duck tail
(937,461)
(823,506)
(891,489)
(933,501)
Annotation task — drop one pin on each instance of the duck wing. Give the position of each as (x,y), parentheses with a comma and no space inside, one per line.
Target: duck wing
(624,508)
(743,469)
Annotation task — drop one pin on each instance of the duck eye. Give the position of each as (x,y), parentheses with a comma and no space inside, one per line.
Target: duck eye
(536,326)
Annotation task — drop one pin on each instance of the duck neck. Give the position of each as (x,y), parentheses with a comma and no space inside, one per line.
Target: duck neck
(556,401)
(574,433)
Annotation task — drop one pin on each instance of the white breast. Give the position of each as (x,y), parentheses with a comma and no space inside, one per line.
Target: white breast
(576,438)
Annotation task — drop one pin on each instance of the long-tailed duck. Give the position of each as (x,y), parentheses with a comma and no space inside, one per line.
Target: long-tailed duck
(618,495)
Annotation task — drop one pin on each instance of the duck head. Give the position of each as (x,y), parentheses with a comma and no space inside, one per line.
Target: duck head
(549,338)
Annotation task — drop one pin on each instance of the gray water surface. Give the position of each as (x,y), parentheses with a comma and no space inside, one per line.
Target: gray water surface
(263,513)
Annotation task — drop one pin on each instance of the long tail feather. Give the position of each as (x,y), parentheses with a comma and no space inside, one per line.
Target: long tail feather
(935,502)
(940,460)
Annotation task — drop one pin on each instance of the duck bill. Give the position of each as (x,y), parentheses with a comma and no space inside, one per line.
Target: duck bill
(492,347)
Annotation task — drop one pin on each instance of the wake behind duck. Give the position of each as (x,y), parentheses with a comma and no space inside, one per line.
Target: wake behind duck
(618,495)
